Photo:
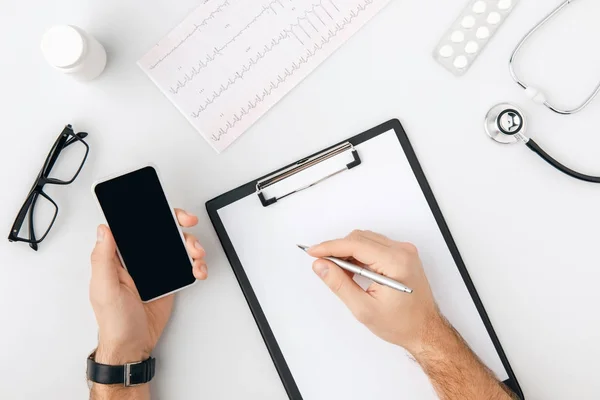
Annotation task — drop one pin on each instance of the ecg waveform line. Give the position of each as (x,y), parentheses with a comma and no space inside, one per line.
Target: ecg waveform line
(297,65)
(253,61)
(202,64)
(239,75)
(217,51)
(305,17)
(197,27)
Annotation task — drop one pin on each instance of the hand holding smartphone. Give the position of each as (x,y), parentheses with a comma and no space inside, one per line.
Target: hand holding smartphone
(150,242)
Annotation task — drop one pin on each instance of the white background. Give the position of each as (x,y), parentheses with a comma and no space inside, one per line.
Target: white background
(528,234)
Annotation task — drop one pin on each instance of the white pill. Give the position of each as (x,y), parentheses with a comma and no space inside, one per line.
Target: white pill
(472,47)
(494,18)
(483,32)
(479,7)
(468,22)
(457,36)
(504,4)
(460,62)
(446,51)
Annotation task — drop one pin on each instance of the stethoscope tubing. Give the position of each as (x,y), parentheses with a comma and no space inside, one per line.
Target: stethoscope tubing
(506,123)
(533,146)
(525,86)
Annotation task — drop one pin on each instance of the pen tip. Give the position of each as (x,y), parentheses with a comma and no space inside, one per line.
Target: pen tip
(302,247)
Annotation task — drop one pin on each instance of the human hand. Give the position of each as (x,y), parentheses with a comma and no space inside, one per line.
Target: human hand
(128,328)
(399,318)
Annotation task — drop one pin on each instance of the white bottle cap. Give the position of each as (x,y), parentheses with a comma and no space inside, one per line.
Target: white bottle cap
(63,46)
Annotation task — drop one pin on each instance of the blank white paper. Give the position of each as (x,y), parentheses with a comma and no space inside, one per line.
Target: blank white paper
(230,61)
(329,353)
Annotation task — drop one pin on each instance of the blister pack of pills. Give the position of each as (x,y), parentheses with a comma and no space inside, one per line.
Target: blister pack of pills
(471,32)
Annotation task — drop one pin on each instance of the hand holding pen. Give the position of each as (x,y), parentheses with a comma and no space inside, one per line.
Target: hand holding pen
(367,273)
(390,313)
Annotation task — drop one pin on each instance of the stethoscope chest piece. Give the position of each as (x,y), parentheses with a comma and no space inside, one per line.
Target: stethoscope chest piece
(506,124)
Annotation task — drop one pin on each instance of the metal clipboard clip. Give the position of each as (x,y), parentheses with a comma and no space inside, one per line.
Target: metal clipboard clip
(303,165)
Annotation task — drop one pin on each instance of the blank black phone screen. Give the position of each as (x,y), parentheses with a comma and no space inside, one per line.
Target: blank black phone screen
(146,233)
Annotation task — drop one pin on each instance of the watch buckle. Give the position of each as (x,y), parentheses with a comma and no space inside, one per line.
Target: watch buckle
(127,377)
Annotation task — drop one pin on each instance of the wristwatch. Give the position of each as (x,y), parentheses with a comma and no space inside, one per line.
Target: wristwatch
(128,375)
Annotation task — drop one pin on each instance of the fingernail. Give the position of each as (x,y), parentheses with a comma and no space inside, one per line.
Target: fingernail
(198,246)
(321,268)
(204,269)
(191,214)
(100,234)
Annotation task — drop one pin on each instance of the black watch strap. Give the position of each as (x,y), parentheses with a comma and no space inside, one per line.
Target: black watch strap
(132,374)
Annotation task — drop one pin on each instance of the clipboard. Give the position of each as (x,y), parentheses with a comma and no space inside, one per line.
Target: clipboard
(295,185)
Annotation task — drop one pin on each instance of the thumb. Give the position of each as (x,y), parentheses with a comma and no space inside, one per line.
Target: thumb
(104,267)
(344,287)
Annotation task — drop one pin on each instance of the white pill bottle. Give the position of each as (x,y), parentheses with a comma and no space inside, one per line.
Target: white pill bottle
(74,52)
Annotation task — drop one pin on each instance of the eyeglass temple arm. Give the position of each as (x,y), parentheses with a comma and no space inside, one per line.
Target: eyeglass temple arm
(80,135)
(33,245)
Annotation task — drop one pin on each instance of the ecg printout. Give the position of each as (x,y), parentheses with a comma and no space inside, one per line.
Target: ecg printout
(230,61)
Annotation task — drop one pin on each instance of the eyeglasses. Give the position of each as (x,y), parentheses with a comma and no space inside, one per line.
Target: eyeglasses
(62,165)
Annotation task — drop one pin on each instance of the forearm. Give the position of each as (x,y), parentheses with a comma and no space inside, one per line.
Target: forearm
(454,370)
(111,392)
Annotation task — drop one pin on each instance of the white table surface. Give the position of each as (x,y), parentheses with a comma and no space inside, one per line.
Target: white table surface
(529,235)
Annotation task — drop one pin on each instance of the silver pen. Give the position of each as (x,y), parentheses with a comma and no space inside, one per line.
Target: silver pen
(375,277)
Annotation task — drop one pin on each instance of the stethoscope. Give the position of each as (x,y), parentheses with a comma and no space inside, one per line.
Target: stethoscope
(506,123)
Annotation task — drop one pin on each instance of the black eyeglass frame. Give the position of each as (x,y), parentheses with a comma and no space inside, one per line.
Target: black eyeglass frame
(65,139)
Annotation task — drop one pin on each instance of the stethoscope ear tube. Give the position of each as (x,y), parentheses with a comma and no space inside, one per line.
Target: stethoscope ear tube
(536,95)
(533,146)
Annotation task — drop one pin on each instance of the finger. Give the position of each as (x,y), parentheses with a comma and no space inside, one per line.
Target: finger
(384,240)
(350,274)
(355,245)
(187,220)
(193,246)
(344,287)
(200,270)
(376,237)
(104,265)
(126,279)
(354,261)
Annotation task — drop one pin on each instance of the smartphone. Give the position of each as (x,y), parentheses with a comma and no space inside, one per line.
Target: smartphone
(149,240)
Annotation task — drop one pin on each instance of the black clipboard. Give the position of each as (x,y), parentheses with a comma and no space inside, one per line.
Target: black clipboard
(253,187)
